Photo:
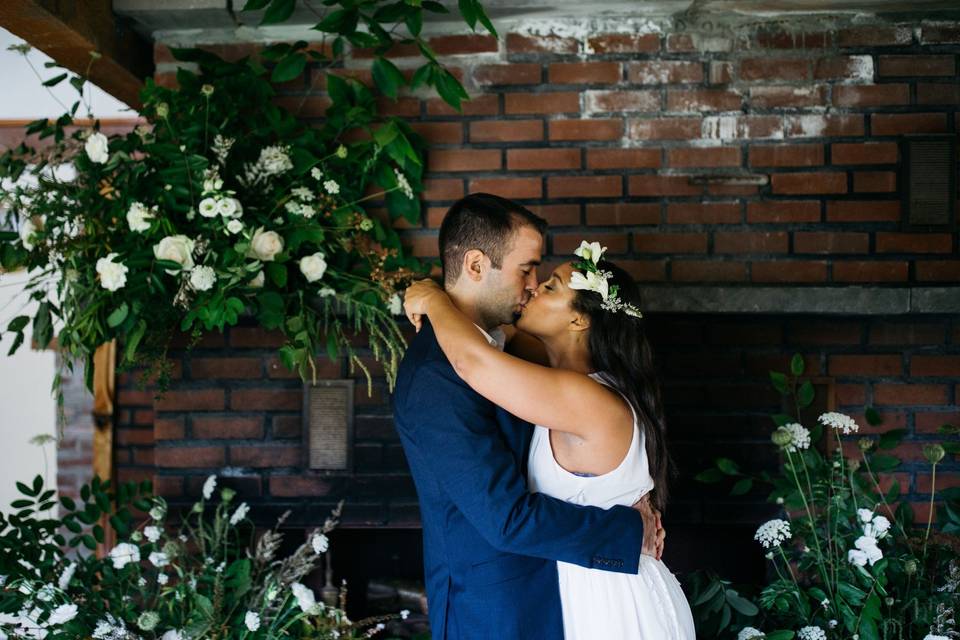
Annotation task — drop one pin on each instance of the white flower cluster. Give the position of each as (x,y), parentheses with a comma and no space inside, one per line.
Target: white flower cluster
(139,216)
(403,183)
(123,554)
(773,533)
(799,437)
(305,598)
(301,202)
(221,148)
(27,623)
(750,633)
(97,147)
(239,514)
(839,421)
(273,161)
(110,628)
(320,543)
(875,528)
(811,633)
(113,275)
(593,279)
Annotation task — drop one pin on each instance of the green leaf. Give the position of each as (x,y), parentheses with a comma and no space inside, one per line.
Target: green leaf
(468,9)
(55,80)
(709,476)
(89,542)
(68,503)
(277,273)
(882,463)
(742,486)
(18,324)
(133,340)
(805,394)
(782,634)
(342,21)
(779,381)
(711,591)
(434,7)
(119,314)
(387,77)
(728,466)
(873,417)
(741,604)
(891,439)
(255,5)
(796,365)
(21,504)
(289,68)
(278,11)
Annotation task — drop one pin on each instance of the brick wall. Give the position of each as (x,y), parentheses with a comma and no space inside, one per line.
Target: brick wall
(619,138)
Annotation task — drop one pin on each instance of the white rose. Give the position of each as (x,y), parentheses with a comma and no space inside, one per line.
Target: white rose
(234,226)
(177,249)
(257,281)
(265,245)
(229,207)
(202,278)
(313,267)
(208,208)
(97,148)
(113,275)
(123,554)
(139,216)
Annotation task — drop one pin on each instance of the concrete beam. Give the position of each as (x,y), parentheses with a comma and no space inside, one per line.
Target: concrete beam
(801,299)
(69,31)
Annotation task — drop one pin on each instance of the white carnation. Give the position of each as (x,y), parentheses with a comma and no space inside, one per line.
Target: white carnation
(305,598)
(274,160)
(139,216)
(113,275)
(123,554)
(202,278)
(866,515)
(313,266)
(173,634)
(97,148)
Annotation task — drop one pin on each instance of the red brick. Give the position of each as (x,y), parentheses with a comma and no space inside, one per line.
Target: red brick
(870,271)
(704,213)
(664,72)
(789,271)
(830,242)
(594,129)
(439,132)
(542,103)
(517,43)
(850,394)
(645,270)
(912,333)
(225,368)
(566,243)
(809,183)
(704,157)
(750,242)
(782,39)
(654,185)
(817,126)
(584,72)
(844,68)
(623,43)
(925,482)
(670,242)
(168,428)
(501,74)
(863,153)
(875,36)
(703,100)
(167,486)
(865,365)
(287,427)
(326,368)
(621,101)
(506,130)
(783,211)
(216,427)
(930,421)
(874,181)
(442,189)
(665,129)
(941,94)
(558,215)
(787,97)
(265,455)
(786,155)
(940,366)
(890,242)
(478,105)
(134,437)
(464,160)
(463,44)
(720,72)
(186,457)
(299,486)
(766,68)
(129,397)
(896,124)
(730,127)
(190,400)
(863,211)
(708,271)
(539,159)
(623,158)
(508,187)
(909,394)
(256,338)
(632,213)
(584,186)
(270,399)
(942,33)
(913,66)
(938,270)
(423,246)
(877,95)
(402,107)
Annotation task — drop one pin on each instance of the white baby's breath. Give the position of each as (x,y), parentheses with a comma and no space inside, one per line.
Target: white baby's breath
(208,486)
(240,513)
(331,187)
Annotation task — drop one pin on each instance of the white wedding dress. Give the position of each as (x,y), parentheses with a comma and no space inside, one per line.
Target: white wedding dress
(649,605)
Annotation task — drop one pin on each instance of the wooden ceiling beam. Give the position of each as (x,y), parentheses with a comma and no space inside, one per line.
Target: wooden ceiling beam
(68,31)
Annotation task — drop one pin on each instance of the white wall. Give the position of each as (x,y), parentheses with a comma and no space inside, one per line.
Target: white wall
(27,407)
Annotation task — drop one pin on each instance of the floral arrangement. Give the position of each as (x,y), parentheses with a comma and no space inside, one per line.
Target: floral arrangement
(591,277)
(847,560)
(222,203)
(204,578)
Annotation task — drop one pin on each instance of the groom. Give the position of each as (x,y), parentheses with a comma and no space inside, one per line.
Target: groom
(490,546)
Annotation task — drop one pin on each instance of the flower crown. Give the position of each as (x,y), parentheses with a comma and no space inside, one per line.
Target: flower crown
(591,278)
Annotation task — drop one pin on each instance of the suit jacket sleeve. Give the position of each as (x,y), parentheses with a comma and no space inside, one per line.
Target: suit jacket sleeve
(455,429)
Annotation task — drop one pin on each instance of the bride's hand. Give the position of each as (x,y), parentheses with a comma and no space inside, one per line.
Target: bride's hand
(417,298)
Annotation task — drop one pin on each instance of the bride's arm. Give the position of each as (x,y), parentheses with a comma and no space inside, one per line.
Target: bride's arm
(557,398)
(523,345)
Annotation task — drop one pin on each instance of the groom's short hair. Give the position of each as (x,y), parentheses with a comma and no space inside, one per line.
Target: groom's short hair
(482,221)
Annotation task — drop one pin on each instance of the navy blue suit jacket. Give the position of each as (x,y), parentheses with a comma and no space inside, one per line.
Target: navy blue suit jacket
(490,546)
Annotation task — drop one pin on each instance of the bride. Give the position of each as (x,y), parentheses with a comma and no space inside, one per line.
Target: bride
(582,372)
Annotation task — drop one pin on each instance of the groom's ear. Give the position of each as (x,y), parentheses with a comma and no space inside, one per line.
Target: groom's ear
(475,264)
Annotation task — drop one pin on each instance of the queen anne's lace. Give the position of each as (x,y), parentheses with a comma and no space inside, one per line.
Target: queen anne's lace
(839,421)
(799,436)
(811,633)
(773,533)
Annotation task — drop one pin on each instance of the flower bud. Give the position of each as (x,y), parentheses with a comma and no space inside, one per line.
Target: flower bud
(163,110)
(853,464)
(934,453)
(781,437)
(910,567)
(865,444)
(207,90)
(227,494)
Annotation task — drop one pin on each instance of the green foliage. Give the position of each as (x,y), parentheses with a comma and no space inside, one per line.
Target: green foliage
(853,562)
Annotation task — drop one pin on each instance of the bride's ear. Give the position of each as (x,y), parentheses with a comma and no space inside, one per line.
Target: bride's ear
(580,322)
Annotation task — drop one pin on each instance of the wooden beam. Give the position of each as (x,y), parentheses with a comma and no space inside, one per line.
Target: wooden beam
(68,31)
(104,388)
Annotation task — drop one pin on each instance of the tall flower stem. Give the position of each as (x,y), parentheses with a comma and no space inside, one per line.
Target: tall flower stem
(813,527)
(933,493)
(789,568)
(883,497)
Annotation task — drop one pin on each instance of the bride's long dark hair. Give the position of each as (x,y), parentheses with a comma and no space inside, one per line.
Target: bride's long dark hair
(620,349)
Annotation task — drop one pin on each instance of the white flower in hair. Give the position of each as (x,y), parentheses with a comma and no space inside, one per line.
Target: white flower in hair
(589,277)
(590,281)
(591,251)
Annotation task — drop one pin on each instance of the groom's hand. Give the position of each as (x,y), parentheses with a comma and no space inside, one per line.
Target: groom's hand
(653,532)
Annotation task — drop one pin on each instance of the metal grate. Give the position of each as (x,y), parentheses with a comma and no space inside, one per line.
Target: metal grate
(931,180)
(328,415)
